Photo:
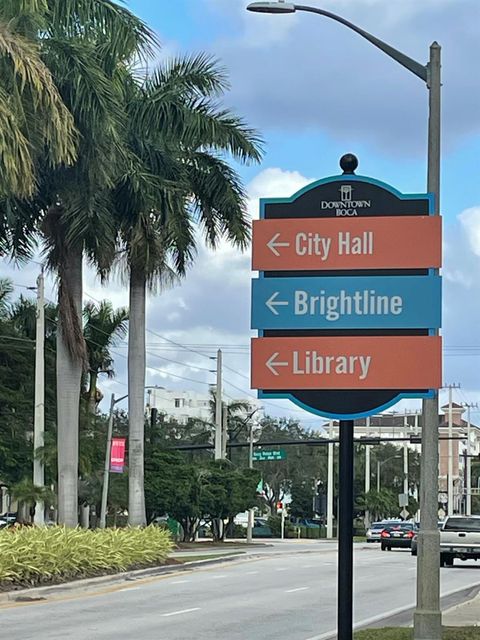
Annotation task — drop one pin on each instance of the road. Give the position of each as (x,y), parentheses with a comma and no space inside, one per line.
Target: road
(291,594)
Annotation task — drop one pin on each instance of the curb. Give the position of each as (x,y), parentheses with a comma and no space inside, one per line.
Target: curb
(403,617)
(35,594)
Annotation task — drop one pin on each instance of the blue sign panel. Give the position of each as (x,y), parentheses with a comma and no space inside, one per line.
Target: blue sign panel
(373,302)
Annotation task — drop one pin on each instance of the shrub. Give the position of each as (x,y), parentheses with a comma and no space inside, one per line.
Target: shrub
(275,524)
(30,556)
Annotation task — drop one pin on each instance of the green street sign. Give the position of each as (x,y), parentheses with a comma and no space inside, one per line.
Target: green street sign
(268,455)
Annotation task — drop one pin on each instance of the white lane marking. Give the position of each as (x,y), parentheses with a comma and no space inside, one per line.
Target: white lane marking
(131,589)
(251,573)
(217,577)
(297,589)
(180,582)
(177,613)
(281,569)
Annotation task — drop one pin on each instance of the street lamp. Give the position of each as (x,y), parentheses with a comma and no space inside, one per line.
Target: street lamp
(380,465)
(427,618)
(108,448)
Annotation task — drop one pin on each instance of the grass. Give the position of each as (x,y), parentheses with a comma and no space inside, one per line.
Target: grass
(389,633)
(34,556)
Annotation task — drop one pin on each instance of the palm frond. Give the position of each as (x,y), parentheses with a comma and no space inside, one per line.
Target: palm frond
(121,33)
(187,76)
(28,84)
(219,129)
(219,199)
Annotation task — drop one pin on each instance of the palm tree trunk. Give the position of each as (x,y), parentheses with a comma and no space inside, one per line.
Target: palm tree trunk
(92,395)
(136,392)
(69,375)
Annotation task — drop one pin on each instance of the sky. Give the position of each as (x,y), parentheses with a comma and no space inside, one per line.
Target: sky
(315,90)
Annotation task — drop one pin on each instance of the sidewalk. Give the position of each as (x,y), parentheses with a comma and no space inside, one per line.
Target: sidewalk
(466,614)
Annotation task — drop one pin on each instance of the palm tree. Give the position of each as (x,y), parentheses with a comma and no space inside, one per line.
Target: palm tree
(102,327)
(179,183)
(87,45)
(27,495)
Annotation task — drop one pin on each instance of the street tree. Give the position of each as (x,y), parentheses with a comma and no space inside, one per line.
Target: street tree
(179,188)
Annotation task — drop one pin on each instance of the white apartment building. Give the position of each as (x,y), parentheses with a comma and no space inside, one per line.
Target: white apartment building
(182,405)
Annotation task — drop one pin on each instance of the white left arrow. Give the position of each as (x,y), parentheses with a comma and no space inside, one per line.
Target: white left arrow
(271,364)
(273,243)
(272,303)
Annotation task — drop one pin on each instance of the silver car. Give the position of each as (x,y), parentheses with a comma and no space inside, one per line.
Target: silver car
(374,532)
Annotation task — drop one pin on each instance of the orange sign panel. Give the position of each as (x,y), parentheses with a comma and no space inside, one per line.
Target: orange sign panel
(354,362)
(403,242)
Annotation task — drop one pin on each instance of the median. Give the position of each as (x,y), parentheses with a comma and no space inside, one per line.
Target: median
(39,556)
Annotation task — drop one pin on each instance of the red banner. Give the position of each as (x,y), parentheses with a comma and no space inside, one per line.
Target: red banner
(117,455)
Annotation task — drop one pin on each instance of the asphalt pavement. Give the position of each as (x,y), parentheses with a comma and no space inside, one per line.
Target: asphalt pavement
(287,592)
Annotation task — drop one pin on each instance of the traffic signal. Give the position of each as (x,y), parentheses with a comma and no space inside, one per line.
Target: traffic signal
(279,507)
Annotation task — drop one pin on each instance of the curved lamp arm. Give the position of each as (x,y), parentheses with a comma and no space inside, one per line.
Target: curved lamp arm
(412,65)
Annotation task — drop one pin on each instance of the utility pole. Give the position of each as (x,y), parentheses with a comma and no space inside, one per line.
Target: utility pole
(367,470)
(224,430)
(330,484)
(450,505)
(106,468)
(468,463)
(218,408)
(39,416)
(405,458)
(250,466)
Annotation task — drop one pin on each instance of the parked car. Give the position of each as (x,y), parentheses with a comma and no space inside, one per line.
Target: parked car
(261,528)
(305,522)
(459,538)
(397,536)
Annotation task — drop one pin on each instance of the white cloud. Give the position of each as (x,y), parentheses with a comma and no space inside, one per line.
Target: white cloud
(470,221)
(271,183)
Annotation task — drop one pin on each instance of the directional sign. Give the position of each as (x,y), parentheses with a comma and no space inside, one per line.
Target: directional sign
(373,302)
(264,455)
(408,242)
(347,304)
(351,362)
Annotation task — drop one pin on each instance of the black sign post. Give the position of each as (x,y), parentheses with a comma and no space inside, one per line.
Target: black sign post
(345,533)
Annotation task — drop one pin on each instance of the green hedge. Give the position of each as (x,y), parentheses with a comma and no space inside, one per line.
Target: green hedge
(31,556)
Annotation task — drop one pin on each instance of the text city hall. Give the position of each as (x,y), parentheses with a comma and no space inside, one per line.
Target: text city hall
(314,244)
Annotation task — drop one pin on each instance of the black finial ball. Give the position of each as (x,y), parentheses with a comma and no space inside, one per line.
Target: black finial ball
(348,163)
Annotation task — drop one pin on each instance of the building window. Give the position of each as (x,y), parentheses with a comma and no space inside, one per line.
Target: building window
(178,403)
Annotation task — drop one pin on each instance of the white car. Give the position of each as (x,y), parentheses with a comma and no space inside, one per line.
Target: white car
(374,532)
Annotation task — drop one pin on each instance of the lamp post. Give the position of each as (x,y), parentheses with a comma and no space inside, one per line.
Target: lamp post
(427,618)
(379,467)
(108,448)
